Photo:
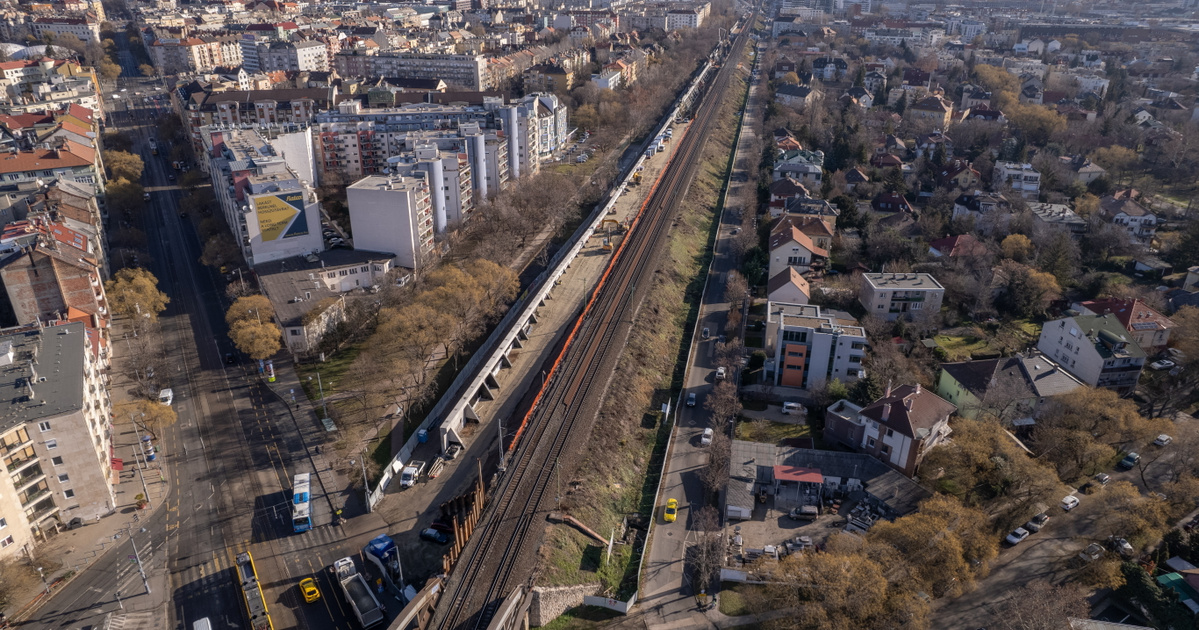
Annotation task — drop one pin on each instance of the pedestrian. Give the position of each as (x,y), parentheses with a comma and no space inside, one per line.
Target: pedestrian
(318,449)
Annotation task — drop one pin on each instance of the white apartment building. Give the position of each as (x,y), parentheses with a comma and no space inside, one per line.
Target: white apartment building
(310,56)
(448,173)
(393,215)
(1021,177)
(895,295)
(270,206)
(691,16)
(86,29)
(1095,349)
(810,347)
(55,434)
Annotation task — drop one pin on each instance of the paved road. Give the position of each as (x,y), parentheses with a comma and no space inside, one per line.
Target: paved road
(667,587)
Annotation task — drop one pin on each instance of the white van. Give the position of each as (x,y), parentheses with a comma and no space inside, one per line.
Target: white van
(166,397)
(793,407)
(202,624)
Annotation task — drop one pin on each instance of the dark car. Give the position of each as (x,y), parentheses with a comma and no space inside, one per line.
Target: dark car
(230,358)
(1191,524)
(445,528)
(1037,522)
(433,535)
(1129,461)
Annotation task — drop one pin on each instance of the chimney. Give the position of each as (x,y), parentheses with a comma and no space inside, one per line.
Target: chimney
(917,389)
(886,412)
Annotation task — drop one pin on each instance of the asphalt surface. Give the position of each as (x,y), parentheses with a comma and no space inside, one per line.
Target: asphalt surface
(667,587)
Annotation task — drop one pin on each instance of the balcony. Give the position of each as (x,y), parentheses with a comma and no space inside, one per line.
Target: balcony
(41,492)
(5,451)
(42,512)
(28,478)
(17,466)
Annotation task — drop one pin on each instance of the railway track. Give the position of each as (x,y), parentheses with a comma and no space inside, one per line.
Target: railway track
(501,554)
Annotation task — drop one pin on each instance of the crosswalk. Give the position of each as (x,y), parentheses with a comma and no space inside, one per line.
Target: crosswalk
(148,620)
(214,571)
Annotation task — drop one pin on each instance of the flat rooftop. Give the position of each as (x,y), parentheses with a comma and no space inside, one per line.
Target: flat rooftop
(42,371)
(902,281)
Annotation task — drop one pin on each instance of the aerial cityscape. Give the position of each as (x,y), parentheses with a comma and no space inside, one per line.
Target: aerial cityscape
(782,314)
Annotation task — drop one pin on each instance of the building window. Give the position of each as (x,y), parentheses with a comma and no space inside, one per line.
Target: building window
(885,450)
(51,444)
(68,493)
(3,523)
(43,426)
(6,542)
(57,461)
(870,442)
(890,433)
(63,478)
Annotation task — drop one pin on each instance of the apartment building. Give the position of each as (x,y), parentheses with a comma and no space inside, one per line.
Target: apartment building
(451,187)
(467,72)
(1147,327)
(55,434)
(895,295)
(393,215)
(60,160)
(257,108)
(87,29)
(811,347)
(1095,349)
(174,55)
(50,271)
(267,199)
(310,56)
(1022,178)
(688,16)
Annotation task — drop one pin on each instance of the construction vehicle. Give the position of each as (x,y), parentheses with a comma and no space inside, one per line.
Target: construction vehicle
(382,552)
(357,593)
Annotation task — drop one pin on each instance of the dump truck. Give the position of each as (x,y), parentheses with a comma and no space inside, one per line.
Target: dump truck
(411,473)
(357,593)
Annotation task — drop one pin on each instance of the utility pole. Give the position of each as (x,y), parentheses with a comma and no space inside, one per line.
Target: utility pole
(141,464)
(140,568)
(499,421)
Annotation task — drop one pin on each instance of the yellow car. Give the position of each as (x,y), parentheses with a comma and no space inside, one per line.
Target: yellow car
(308,588)
(671,512)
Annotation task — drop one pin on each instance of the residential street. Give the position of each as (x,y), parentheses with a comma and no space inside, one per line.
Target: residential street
(666,592)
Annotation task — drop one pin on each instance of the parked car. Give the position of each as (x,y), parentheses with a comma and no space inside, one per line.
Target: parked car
(1163,440)
(1017,536)
(706,438)
(720,373)
(1103,478)
(433,535)
(1120,545)
(705,333)
(1069,503)
(793,407)
(1130,460)
(1191,524)
(1164,364)
(672,510)
(166,396)
(309,589)
(1037,522)
(691,399)
(1094,551)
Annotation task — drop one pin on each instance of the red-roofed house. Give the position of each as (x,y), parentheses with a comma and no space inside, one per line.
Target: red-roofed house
(66,160)
(891,202)
(1149,328)
(52,275)
(957,246)
(791,247)
(898,429)
(788,286)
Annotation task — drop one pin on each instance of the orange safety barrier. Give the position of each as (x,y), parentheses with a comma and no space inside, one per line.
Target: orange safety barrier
(594,294)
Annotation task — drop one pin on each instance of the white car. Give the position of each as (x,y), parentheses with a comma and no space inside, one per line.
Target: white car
(166,397)
(792,407)
(706,438)
(1164,364)
(1069,503)
(1163,440)
(720,373)
(1017,536)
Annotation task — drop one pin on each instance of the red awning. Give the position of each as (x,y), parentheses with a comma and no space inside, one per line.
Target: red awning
(798,473)
(118,463)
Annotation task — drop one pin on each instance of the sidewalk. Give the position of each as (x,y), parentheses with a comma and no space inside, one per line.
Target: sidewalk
(74,551)
(335,486)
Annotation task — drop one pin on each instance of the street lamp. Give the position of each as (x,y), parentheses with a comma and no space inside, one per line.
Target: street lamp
(321,387)
(42,575)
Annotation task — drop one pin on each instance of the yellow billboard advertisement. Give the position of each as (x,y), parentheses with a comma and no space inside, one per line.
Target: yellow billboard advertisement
(281,215)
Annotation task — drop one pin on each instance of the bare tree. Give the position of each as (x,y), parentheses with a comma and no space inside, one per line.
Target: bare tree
(708,552)
(716,473)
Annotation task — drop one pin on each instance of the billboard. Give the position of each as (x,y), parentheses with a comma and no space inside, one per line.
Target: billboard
(281,215)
